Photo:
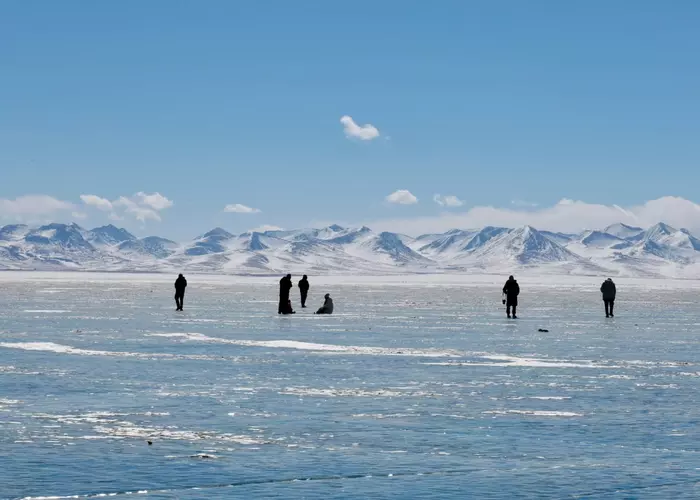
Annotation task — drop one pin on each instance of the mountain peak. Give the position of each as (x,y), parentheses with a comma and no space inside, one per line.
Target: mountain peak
(217,232)
(623,230)
(109,235)
(662,226)
(599,239)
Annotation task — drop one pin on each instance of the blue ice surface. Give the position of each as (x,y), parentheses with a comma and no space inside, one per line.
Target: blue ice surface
(440,397)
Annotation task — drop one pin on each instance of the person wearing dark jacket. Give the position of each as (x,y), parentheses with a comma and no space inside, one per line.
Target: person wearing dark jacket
(180,285)
(608,290)
(285,287)
(304,290)
(511,290)
(327,307)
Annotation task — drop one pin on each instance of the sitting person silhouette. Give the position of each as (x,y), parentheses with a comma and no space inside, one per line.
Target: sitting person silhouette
(327,307)
(288,308)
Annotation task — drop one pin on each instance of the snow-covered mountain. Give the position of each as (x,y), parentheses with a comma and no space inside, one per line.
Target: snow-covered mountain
(623,230)
(658,251)
(108,235)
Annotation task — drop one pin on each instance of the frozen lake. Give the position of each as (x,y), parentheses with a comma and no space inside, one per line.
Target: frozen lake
(416,387)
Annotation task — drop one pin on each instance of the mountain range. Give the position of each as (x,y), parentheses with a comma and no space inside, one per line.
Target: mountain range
(618,250)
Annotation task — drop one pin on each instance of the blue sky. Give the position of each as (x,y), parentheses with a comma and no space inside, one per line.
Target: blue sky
(505,104)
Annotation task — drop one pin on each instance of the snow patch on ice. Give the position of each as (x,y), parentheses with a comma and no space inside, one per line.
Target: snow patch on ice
(65,349)
(310,346)
(535,413)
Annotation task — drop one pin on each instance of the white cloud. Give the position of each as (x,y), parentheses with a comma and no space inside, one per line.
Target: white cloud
(79,215)
(34,205)
(567,216)
(139,212)
(353,130)
(447,201)
(237,208)
(156,200)
(402,197)
(265,227)
(141,206)
(97,202)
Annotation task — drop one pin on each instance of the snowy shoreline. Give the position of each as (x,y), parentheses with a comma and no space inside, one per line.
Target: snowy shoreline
(453,280)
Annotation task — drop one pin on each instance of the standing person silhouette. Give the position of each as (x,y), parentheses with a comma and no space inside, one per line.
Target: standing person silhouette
(304,289)
(285,287)
(609,291)
(180,285)
(511,290)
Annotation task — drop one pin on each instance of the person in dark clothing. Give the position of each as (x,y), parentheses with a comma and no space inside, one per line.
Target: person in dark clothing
(327,307)
(608,290)
(285,287)
(304,290)
(511,290)
(180,285)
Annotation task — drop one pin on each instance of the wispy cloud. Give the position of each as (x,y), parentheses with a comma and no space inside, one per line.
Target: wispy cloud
(141,206)
(237,208)
(97,202)
(447,200)
(566,215)
(33,206)
(156,201)
(353,130)
(265,227)
(402,197)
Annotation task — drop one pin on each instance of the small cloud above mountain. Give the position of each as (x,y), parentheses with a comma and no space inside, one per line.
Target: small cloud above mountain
(402,197)
(35,205)
(264,228)
(238,208)
(447,200)
(141,206)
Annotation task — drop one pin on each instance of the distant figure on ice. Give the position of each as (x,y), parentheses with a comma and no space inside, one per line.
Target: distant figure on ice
(608,290)
(304,289)
(180,285)
(511,290)
(289,309)
(327,307)
(285,286)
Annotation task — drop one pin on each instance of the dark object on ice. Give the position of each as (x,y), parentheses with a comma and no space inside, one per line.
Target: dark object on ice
(287,309)
(609,291)
(511,290)
(304,289)
(149,443)
(180,285)
(327,307)
(543,330)
(285,286)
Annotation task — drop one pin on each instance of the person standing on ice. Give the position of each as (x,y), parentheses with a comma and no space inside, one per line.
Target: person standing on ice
(180,285)
(609,291)
(304,290)
(327,307)
(511,290)
(285,287)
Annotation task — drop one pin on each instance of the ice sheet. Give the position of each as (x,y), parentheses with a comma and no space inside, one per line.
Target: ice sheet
(417,386)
